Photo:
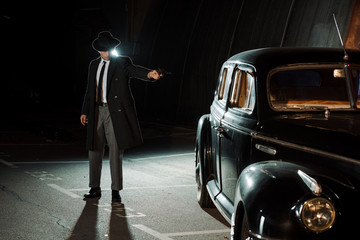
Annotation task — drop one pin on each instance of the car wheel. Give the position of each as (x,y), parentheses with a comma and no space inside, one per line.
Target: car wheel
(203,196)
(244,228)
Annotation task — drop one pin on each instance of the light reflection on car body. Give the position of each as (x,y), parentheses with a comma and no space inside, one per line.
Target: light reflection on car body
(278,154)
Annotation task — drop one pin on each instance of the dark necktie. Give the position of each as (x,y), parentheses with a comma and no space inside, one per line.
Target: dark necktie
(99,95)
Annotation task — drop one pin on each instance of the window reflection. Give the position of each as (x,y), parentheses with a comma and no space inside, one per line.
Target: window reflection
(309,87)
(242,93)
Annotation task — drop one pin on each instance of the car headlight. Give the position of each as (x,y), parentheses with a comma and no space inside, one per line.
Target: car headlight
(318,214)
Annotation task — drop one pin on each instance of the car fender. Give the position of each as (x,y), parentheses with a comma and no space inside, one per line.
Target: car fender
(268,192)
(202,141)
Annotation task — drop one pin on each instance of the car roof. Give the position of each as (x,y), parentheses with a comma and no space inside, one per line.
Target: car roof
(272,57)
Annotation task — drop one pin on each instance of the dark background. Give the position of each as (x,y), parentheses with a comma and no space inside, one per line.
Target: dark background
(46,48)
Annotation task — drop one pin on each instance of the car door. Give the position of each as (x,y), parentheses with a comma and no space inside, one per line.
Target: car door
(218,109)
(236,126)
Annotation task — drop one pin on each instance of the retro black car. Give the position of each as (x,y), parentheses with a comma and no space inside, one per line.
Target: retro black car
(279,153)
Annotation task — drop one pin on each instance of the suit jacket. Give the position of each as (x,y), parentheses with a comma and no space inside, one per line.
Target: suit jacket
(119,98)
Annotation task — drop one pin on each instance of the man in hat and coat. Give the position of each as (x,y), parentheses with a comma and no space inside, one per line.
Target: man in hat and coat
(109,112)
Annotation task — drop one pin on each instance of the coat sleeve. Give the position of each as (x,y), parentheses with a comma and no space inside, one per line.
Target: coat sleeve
(86,103)
(138,72)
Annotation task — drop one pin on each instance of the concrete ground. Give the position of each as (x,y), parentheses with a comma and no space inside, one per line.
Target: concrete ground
(44,174)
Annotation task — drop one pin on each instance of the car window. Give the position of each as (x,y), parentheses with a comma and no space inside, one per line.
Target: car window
(221,84)
(243,91)
(309,87)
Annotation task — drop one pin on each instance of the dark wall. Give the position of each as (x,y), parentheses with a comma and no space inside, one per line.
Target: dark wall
(312,23)
(48,46)
(193,39)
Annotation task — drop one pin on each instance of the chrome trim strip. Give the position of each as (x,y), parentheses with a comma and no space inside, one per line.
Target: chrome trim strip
(310,182)
(238,62)
(306,149)
(216,203)
(266,149)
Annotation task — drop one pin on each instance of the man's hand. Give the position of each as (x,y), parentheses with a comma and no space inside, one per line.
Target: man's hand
(83,119)
(154,74)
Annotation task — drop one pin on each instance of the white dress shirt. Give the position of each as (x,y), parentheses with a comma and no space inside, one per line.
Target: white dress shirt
(104,82)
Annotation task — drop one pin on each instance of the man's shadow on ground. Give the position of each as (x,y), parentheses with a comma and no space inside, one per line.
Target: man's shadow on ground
(86,227)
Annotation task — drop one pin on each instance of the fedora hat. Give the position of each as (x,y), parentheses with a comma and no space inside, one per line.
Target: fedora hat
(105,41)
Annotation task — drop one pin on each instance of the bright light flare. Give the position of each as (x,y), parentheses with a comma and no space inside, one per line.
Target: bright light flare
(114,52)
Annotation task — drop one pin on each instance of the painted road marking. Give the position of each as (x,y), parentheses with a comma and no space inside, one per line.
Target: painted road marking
(63,190)
(166,236)
(198,232)
(136,188)
(86,161)
(43,175)
(152,232)
(120,210)
(9,164)
(70,191)
(160,156)
(50,162)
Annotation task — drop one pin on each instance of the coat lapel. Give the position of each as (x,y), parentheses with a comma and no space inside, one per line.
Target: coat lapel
(111,71)
(94,70)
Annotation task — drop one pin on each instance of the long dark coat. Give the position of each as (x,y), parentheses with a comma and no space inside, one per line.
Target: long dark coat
(119,98)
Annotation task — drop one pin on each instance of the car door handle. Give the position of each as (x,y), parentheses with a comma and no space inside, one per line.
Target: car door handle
(219,129)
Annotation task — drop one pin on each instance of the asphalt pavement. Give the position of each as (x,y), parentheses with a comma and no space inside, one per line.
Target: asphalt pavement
(44,174)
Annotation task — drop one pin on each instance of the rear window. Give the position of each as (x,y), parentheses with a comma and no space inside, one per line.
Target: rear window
(309,87)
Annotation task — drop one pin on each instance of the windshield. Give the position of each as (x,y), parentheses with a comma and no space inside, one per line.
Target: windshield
(313,87)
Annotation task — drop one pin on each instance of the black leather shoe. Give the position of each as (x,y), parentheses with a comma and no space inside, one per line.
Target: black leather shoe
(93,193)
(116,196)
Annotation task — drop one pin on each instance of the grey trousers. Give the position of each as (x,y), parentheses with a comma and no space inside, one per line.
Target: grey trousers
(105,132)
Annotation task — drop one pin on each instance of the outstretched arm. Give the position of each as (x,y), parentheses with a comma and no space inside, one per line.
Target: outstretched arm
(142,72)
